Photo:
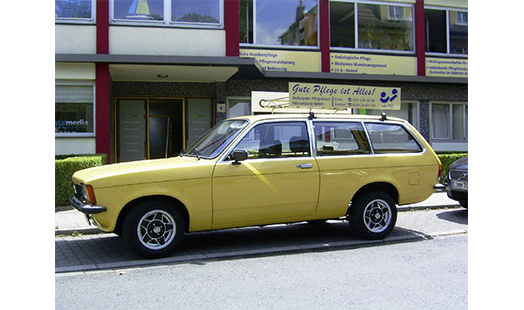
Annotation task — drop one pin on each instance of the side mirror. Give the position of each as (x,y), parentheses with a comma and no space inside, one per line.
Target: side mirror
(238,156)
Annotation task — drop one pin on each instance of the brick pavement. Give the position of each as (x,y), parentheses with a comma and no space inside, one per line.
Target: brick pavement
(106,251)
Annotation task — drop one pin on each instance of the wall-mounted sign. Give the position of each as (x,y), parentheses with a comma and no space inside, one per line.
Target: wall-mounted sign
(282,60)
(373,64)
(343,96)
(447,67)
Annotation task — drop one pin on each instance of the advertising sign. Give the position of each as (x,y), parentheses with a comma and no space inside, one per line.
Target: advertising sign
(343,96)
(373,64)
(447,67)
(280,60)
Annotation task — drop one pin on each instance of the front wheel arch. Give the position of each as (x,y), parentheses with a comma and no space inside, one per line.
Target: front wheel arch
(130,205)
(154,227)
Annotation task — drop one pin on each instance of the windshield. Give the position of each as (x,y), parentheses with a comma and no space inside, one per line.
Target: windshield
(216,139)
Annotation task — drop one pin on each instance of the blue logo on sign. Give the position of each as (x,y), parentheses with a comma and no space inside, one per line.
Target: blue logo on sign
(387,99)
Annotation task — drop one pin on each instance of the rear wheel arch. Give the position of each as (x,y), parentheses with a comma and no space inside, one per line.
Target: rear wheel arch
(388,188)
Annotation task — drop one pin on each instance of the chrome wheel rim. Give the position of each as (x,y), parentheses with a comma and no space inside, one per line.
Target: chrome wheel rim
(377,216)
(156,229)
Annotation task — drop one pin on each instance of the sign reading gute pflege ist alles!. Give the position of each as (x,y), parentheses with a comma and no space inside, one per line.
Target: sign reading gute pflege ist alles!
(343,96)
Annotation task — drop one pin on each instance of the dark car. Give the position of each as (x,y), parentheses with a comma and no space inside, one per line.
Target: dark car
(457,185)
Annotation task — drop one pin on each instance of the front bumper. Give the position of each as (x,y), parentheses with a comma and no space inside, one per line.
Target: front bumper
(84,207)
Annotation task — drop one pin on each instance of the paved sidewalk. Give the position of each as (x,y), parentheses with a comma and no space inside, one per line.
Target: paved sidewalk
(91,250)
(72,221)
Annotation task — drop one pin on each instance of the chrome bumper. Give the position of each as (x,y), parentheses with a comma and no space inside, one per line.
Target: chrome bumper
(439,188)
(84,207)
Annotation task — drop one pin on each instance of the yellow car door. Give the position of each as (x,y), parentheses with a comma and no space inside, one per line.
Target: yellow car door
(277,182)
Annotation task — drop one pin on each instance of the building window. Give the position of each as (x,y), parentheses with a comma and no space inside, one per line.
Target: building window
(371,26)
(75,11)
(273,22)
(238,107)
(191,13)
(74,110)
(446,31)
(196,11)
(449,121)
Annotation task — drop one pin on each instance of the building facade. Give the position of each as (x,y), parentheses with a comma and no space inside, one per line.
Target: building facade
(140,79)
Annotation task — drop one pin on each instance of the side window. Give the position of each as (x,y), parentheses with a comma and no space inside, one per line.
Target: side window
(391,138)
(340,138)
(276,140)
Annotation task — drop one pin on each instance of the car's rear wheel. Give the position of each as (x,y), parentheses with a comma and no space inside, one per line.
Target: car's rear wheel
(154,228)
(372,215)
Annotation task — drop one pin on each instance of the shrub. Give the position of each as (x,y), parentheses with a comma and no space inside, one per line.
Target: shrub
(64,170)
(447,159)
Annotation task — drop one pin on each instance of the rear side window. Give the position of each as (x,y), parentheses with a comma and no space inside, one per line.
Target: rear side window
(391,138)
(340,138)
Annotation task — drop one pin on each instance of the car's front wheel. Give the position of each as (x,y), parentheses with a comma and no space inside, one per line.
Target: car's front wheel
(372,215)
(154,228)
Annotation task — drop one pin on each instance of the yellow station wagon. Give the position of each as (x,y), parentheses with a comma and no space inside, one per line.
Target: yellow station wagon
(265,169)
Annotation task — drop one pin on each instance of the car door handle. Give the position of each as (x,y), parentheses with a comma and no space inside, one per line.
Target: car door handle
(304,166)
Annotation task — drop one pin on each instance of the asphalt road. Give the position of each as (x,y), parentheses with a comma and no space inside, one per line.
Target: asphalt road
(429,274)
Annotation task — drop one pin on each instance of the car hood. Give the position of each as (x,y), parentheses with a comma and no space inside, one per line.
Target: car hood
(145,171)
(461,164)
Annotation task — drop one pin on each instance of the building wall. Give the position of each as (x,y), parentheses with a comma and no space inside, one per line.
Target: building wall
(102,35)
(166,41)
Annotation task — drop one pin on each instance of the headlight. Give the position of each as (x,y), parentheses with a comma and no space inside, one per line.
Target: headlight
(88,194)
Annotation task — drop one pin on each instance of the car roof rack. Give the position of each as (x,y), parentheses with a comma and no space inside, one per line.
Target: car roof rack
(283,102)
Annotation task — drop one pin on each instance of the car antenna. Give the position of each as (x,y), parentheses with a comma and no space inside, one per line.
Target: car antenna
(383,116)
(311,114)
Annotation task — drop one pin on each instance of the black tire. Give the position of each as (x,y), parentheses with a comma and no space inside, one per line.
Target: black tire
(154,228)
(372,215)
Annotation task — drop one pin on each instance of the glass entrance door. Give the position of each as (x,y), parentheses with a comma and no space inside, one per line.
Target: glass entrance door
(166,133)
(131,114)
(149,128)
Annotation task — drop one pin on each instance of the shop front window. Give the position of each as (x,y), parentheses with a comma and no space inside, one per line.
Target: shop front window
(74,110)
(272,22)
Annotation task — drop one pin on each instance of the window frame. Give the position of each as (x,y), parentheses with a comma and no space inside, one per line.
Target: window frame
(365,149)
(79,134)
(356,47)
(248,133)
(447,11)
(450,122)
(382,151)
(253,22)
(167,18)
(73,20)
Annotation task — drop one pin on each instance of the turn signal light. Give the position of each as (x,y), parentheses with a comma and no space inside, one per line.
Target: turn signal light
(90,193)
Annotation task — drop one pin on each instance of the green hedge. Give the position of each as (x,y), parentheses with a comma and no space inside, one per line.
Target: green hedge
(447,159)
(64,170)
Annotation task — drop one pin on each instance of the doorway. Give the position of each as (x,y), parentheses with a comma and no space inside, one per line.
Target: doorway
(166,133)
(150,128)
